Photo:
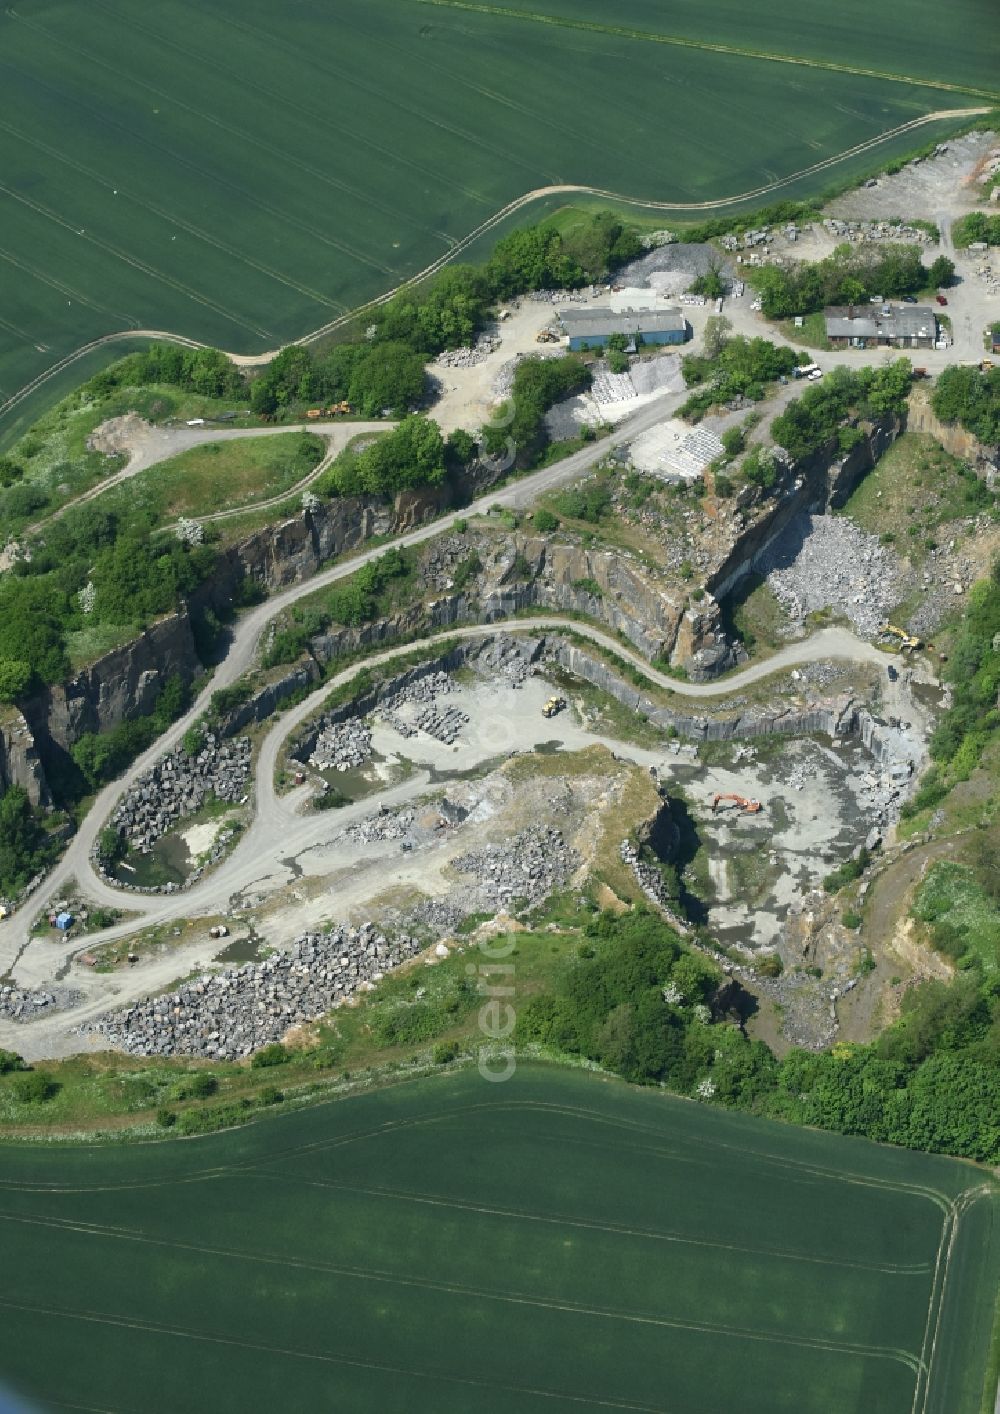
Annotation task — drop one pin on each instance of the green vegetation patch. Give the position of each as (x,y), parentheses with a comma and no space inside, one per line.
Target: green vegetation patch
(916,488)
(221,475)
(963,917)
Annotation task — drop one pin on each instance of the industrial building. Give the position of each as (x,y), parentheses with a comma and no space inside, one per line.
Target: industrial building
(907,326)
(646,324)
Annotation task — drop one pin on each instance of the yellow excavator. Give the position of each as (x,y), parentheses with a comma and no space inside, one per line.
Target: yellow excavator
(554,705)
(909,642)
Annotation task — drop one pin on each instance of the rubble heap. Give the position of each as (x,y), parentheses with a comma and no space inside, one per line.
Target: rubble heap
(342,746)
(234,1013)
(18,1005)
(384,825)
(822,561)
(444,725)
(178,785)
(528,867)
(480,351)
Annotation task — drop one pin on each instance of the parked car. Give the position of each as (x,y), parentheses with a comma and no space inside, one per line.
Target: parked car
(909,299)
(941,299)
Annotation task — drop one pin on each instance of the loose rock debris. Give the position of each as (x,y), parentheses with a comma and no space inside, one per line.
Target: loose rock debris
(19,1005)
(823,561)
(234,1013)
(527,867)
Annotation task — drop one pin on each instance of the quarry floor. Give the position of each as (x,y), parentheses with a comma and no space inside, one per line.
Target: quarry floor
(513,769)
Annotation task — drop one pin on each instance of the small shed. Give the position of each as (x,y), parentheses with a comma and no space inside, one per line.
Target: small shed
(64,921)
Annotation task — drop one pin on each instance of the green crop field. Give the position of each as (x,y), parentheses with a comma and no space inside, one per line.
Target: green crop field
(244,173)
(555,1243)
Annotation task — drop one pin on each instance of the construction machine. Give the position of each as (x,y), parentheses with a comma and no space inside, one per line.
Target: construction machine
(554,705)
(749,807)
(909,642)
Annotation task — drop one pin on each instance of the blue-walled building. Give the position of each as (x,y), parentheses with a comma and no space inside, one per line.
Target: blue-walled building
(592,328)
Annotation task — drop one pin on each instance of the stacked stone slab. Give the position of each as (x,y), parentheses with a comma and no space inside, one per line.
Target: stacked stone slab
(443,725)
(178,785)
(342,747)
(528,867)
(234,1013)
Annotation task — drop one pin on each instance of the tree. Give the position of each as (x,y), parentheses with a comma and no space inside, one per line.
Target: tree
(10,471)
(387,375)
(25,847)
(9,1061)
(941,273)
(711,285)
(717,332)
(15,677)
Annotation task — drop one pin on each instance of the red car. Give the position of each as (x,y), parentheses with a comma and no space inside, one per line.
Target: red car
(941,299)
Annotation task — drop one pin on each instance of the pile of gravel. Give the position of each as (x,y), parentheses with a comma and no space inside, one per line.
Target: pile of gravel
(528,867)
(828,562)
(385,825)
(178,785)
(234,1013)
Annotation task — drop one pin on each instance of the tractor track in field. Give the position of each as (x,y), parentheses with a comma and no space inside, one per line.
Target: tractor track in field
(709,46)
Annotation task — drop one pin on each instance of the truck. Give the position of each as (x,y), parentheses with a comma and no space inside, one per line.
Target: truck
(553,706)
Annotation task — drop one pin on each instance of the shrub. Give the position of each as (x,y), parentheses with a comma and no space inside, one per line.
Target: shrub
(165,1117)
(545,521)
(444,1052)
(274,1054)
(9,1061)
(851,920)
(34,1088)
(847,872)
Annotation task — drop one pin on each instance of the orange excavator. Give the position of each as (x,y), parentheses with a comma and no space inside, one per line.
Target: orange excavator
(749,807)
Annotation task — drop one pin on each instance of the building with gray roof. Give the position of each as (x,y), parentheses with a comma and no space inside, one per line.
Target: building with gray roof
(904,326)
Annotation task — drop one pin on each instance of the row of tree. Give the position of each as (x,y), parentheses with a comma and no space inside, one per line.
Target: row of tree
(384,371)
(817,417)
(851,275)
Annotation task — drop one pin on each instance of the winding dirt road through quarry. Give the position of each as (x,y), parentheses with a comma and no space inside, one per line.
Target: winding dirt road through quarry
(282,830)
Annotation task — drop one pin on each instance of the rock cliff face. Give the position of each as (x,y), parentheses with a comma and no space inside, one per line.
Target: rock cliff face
(824,482)
(125,683)
(611,587)
(122,684)
(19,760)
(954,439)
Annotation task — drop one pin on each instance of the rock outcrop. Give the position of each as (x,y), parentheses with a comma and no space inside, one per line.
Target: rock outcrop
(19,760)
